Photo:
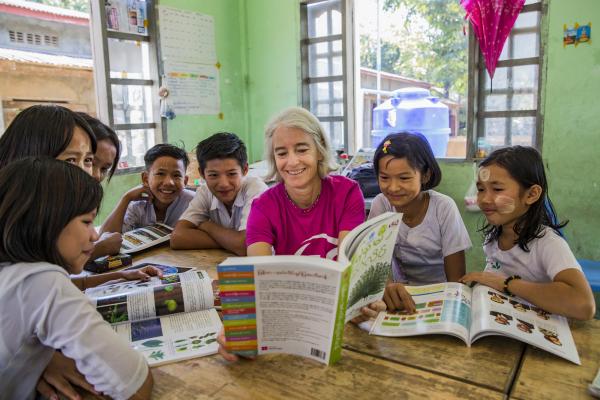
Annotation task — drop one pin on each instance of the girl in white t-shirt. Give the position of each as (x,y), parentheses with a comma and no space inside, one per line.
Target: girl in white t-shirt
(47,209)
(525,252)
(432,240)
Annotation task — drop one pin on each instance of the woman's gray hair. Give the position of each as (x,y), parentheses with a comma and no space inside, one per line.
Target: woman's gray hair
(299,118)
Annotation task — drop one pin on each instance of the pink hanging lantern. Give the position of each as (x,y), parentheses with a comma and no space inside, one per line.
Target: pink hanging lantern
(492,21)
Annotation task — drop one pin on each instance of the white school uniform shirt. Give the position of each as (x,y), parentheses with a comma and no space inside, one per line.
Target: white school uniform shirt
(206,207)
(141,213)
(419,252)
(43,310)
(547,256)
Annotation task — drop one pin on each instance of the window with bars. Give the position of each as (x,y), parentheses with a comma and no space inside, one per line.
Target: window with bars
(127,81)
(324,83)
(507,107)
(32,38)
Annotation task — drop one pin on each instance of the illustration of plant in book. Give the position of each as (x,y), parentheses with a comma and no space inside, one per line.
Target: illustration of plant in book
(168,299)
(371,265)
(372,281)
(114,313)
(194,342)
(157,355)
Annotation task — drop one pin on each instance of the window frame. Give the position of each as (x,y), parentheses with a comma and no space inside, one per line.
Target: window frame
(476,115)
(347,76)
(103,81)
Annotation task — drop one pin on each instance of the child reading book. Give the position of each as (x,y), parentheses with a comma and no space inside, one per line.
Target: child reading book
(217,216)
(432,241)
(525,254)
(49,130)
(47,235)
(162,197)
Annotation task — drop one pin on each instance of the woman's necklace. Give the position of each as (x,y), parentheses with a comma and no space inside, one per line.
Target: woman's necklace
(303,210)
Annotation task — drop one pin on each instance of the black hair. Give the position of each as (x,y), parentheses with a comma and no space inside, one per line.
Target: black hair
(219,146)
(39,196)
(417,151)
(104,132)
(41,130)
(525,165)
(165,150)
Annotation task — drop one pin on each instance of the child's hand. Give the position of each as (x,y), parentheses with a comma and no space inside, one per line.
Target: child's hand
(397,298)
(140,192)
(491,279)
(59,377)
(370,312)
(109,243)
(142,274)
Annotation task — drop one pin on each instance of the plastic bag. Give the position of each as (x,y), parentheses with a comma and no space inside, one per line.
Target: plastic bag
(471,195)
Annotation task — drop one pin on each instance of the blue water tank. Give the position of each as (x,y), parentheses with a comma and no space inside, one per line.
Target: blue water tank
(413,109)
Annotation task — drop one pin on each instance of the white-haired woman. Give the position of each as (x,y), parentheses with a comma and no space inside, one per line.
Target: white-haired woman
(309,211)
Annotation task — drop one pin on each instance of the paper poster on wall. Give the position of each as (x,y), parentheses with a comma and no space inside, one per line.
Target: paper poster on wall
(194,88)
(188,51)
(577,34)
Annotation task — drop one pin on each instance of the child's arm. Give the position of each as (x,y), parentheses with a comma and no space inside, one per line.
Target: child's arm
(108,244)
(114,222)
(569,294)
(131,275)
(229,239)
(60,376)
(187,236)
(454,266)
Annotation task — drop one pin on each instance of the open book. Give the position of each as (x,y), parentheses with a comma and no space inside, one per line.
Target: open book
(469,314)
(299,304)
(145,237)
(168,319)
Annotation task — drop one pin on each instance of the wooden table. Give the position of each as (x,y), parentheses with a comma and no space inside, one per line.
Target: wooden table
(435,366)
(544,376)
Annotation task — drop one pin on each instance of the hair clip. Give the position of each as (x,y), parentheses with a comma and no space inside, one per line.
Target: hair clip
(386,144)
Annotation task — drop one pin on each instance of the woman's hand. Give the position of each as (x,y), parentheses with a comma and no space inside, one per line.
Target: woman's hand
(60,376)
(222,350)
(397,298)
(491,279)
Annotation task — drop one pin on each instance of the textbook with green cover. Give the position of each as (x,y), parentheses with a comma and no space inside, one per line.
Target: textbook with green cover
(166,319)
(299,304)
(472,313)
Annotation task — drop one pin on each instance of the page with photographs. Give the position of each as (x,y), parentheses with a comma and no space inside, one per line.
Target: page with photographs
(371,259)
(284,304)
(125,287)
(173,337)
(441,308)
(137,300)
(495,313)
(143,238)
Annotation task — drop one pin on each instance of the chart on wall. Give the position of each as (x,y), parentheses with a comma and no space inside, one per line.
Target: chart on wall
(188,52)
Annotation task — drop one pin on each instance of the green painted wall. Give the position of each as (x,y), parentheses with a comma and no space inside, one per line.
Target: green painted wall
(258,46)
(273,54)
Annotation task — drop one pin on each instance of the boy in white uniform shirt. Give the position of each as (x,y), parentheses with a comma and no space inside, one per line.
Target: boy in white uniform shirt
(217,215)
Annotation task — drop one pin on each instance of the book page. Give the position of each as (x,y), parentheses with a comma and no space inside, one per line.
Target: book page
(497,313)
(372,262)
(174,337)
(143,238)
(138,300)
(280,304)
(441,308)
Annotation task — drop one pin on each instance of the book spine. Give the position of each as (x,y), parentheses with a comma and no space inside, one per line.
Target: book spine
(340,317)
(238,304)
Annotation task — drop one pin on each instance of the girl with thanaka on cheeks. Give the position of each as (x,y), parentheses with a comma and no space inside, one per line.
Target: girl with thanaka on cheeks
(45,237)
(525,254)
(432,239)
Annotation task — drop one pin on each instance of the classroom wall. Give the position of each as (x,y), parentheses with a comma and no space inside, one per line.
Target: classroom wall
(258,45)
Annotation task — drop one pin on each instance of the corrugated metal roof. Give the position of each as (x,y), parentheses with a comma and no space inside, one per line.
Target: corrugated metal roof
(42,58)
(28,5)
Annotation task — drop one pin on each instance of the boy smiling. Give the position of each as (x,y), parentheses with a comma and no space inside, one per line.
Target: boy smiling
(217,216)
(162,197)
